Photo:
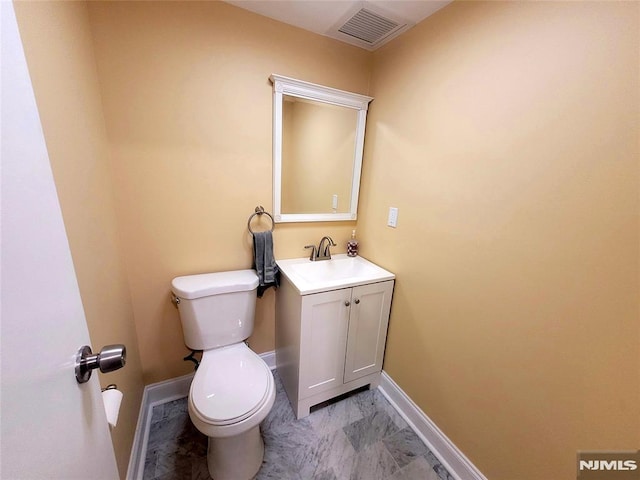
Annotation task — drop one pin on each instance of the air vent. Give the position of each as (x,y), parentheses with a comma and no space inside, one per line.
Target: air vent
(369,27)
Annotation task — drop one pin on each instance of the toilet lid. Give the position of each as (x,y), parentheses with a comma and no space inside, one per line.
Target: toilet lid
(230,384)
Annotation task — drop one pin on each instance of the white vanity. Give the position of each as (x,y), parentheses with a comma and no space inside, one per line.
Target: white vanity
(331,327)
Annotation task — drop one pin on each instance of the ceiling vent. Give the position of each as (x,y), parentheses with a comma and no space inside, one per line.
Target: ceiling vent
(368,26)
(368,29)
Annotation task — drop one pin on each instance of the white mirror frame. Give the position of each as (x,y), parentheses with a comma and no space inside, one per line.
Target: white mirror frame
(310,91)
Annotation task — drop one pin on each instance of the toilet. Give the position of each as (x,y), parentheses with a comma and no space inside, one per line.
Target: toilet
(233,389)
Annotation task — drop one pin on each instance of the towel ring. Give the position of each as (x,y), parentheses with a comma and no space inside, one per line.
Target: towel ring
(260,211)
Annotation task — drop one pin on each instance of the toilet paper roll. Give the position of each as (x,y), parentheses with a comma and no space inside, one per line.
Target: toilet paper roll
(112,399)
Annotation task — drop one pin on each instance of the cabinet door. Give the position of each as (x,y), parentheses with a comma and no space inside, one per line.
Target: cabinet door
(323,338)
(370,307)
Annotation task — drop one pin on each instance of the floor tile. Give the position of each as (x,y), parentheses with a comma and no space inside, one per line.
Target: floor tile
(326,475)
(292,447)
(442,472)
(440,469)
(405,446)
(281,413)
(358,437)
(333,452)
(417,469)
(335,416)
(373,462)
(370,430)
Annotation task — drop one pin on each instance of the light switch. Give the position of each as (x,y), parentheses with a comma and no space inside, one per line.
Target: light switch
(393,217)
(334,201)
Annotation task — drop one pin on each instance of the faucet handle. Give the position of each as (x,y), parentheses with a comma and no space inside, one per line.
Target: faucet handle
(313,255)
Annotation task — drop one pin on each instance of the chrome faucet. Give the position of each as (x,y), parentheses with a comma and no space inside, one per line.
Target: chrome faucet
(322,252)
(325,254)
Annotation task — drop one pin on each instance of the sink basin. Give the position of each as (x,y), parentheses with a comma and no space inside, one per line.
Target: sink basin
(335,269)
(339,272)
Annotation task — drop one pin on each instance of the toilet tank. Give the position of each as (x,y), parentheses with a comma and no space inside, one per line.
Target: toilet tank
(216,309)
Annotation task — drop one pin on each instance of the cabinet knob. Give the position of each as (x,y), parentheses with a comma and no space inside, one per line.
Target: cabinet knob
(347,303)
(357,301)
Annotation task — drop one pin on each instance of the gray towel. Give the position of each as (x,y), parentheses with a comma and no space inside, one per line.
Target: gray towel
(264,263)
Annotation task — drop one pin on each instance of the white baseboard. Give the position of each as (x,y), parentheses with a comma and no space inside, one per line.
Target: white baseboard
(458,465)
(269,358)
(157,394)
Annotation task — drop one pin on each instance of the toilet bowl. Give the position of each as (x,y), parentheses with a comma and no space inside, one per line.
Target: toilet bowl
(233,389)
(232,392)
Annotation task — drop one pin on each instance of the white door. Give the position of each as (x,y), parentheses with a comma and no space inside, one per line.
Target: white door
(51,426)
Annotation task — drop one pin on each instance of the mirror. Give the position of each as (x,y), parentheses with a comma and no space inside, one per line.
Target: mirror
(318,138)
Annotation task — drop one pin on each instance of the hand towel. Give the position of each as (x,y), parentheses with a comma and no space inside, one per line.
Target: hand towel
(264,263)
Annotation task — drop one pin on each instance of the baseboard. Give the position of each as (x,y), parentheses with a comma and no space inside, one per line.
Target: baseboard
(269,358)
(157,394)
(458,465)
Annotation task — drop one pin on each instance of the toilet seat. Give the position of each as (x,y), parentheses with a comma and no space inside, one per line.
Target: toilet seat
(231,384)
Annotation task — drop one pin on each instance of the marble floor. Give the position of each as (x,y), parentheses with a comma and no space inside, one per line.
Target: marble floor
(358,437)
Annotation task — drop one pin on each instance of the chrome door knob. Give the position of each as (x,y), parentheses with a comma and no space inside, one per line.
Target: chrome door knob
(110,358)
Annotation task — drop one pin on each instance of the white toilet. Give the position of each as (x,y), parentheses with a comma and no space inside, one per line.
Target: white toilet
(233,389)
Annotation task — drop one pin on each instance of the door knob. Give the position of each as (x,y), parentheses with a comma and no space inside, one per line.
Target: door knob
(110,358)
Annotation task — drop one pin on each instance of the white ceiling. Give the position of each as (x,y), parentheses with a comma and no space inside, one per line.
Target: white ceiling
(325,17)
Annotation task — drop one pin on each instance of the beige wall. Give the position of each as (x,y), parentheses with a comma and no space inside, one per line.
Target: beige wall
(57,44)
(507,134)
(188,108)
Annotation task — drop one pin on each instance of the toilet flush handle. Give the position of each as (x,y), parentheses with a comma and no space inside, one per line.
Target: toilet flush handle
(110,358)
(175,300)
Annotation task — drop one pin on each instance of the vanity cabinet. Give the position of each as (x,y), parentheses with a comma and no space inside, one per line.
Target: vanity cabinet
(332,342)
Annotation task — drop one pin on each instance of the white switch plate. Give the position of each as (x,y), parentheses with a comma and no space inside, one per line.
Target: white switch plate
(393,217)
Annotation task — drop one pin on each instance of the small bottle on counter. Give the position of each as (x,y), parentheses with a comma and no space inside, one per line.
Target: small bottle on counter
(352,245)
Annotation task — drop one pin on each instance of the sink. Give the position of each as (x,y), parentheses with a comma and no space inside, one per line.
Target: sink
(335,269)
(339,272)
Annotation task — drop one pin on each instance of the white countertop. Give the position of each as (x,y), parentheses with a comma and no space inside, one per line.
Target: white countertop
(323,275)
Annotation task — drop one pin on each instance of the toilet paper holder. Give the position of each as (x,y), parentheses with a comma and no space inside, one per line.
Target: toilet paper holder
(110,358)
